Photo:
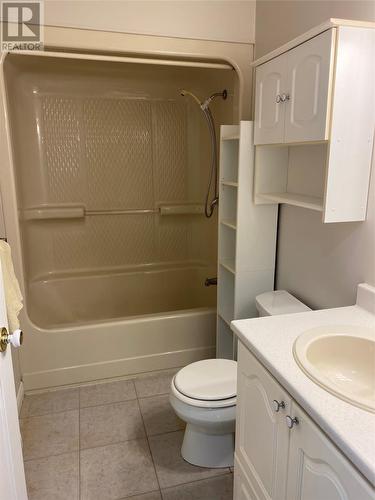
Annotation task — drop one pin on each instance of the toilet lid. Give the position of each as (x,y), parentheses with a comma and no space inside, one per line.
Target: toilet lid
(208,380)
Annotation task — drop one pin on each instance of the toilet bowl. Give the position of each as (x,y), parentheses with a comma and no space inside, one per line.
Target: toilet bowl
(203,394)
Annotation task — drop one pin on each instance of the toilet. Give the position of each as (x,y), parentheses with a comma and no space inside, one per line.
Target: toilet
(203,394)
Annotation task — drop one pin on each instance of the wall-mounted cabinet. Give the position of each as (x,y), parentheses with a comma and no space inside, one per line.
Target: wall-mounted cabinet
(247,236)
(292,93)
(317,90)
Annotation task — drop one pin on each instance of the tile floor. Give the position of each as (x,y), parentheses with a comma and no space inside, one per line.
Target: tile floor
(112,441)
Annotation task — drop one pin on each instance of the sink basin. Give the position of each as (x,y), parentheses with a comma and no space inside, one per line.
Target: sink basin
(341,359)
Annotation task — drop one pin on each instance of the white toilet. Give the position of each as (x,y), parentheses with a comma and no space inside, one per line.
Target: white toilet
(203,394)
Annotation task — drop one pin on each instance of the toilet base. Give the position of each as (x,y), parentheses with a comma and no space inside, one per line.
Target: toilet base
(207,450)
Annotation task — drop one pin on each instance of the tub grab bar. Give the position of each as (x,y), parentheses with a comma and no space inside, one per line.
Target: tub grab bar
(54,212)
(186,209)
(50,212)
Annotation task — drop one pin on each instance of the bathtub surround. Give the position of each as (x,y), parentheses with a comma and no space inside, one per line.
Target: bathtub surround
(184,350)
(43,363)
(140,447)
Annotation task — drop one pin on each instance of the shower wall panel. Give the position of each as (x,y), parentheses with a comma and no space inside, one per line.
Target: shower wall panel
(114,154)
(115,141)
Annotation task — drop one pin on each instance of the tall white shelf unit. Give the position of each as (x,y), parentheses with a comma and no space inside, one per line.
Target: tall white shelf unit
(247,236)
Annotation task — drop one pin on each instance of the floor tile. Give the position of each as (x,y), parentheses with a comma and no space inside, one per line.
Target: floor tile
(53,478)
(109,392)
(170,466)
(49,402)
(50,434)
(154,384)
(216,488)
(117,471)
(112,423)
(158,415)
(155,495)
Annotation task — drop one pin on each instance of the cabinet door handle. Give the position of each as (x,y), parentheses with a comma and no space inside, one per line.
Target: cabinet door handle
(291,422)
(277,405)
(278,98)
(284,97)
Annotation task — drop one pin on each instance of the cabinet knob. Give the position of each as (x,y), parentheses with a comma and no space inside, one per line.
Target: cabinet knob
(284,97)
(291,422)
(278,98)
(277,405)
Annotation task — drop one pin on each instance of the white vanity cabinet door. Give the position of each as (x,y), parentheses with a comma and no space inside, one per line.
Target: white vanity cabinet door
(261,433)
(308,86)
(316,469)
(269,109)
(242,487)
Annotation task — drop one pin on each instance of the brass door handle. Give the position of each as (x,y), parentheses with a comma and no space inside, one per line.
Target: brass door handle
(15,338)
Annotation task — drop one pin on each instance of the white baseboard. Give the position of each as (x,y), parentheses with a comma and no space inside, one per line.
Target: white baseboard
(20,396)
(114,368)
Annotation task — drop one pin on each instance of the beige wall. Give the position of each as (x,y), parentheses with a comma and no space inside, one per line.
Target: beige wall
(278,21)
(320,263)
(220,20)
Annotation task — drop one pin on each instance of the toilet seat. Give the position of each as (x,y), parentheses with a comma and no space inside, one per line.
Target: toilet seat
(210,383)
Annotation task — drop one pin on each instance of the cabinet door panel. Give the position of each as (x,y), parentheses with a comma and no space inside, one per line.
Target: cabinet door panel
(262,436)
(309,75)
(317,470)
(242,486)
(269,114)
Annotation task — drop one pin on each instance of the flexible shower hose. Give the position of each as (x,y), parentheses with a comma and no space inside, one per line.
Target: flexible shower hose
(213,177)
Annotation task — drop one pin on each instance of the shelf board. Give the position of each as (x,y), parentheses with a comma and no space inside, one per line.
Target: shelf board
(229,223)
(229,183)
(297,200)
(229,265)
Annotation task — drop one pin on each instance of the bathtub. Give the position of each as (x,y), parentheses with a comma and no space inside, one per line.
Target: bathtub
(84,328)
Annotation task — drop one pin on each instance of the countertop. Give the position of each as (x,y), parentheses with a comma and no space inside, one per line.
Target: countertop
(271,340)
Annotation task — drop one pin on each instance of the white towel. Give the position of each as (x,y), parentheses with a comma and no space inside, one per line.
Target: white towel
(13,295)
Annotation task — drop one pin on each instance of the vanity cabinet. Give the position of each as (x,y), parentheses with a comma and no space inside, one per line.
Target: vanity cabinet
(292,93)
(281,454)
(261,434)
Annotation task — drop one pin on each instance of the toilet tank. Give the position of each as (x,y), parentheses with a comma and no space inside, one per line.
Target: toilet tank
(278,302)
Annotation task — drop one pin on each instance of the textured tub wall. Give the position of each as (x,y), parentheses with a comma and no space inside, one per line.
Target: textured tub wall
(114,137)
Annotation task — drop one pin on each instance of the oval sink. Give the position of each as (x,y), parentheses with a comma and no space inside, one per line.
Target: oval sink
(341,359)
